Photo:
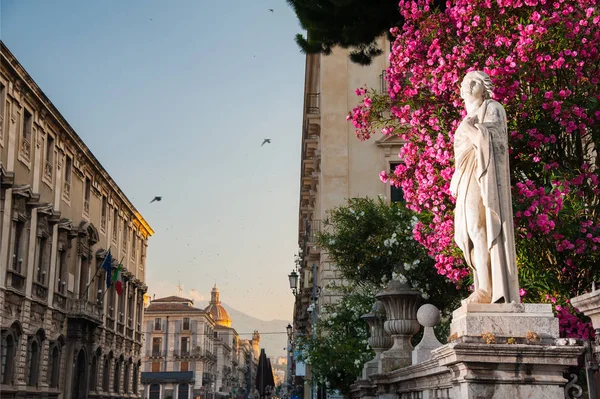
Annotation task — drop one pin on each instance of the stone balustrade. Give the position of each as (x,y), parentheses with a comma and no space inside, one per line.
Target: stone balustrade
(519,355)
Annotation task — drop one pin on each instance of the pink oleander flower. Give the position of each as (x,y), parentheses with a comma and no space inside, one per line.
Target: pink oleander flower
(544,60)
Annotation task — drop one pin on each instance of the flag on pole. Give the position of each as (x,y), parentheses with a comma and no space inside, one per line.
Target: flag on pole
(117,279)
(107,266)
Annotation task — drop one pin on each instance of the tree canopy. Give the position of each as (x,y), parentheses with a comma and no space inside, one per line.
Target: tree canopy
(346,23)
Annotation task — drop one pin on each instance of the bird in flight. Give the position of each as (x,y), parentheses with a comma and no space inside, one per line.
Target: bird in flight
(266,141)
(270,9)
(157,199)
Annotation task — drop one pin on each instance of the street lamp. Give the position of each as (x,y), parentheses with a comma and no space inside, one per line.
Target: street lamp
(290,331)
(293,277)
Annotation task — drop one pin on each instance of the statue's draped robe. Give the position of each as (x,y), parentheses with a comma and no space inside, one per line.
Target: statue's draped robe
(482,164)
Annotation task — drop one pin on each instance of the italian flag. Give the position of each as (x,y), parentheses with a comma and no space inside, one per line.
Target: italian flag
(117,281)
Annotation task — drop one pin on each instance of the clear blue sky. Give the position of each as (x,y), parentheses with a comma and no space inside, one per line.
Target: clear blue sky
(174,98)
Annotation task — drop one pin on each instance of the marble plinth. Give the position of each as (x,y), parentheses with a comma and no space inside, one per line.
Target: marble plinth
(519,321)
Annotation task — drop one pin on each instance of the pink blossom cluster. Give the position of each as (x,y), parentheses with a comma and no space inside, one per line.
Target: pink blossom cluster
(543,58)
(570,324)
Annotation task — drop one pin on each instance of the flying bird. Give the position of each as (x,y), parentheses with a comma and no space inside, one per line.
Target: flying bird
(270,9)
(158,199)
(266,141)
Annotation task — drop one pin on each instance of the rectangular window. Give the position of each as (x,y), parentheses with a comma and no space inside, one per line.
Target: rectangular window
(18,253)
(104,206)
(185,346)
(396,194)
(184,366)
(68,169)
(130,314)
(50,149)
(42,244)
(186,323)
(157,324)
(27,125)
(115,224)
(88,192)
(156,346)
(133,244)
(125,232)
(62,264)
(155,367)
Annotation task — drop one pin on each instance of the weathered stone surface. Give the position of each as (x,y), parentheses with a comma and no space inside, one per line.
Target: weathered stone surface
(504,321)
(428,316)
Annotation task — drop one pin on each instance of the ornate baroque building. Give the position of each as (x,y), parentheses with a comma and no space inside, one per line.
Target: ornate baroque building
(192,352)
(63,335)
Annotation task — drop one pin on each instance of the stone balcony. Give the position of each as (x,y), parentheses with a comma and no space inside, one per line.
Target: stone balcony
(84,309)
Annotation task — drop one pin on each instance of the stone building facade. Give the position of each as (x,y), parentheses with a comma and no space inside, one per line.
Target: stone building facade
(179,350)
(192,352)
(63,335)
(335,165)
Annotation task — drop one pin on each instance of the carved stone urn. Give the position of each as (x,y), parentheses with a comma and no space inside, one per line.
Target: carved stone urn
(401,303)
(379,340)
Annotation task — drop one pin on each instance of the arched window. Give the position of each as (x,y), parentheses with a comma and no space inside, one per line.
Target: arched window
(93,384)
(79,389)
(117,378)
(126,377)
(54,367)
(9,346)
(106,375)
(135,379)
(183,391)
(154,391)
(33,362)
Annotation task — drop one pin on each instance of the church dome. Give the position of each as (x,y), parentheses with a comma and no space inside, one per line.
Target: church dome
(218,312)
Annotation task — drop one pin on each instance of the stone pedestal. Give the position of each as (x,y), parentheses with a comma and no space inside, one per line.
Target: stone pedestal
(502,323)
(401,303)
(517,371)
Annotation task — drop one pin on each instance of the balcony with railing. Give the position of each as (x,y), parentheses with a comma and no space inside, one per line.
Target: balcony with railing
(312,228)
(40,291)
(15,280)
(82,308)
(25,148)
(156,353)
(313,106)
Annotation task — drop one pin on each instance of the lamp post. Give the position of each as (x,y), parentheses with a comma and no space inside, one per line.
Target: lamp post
(293,277)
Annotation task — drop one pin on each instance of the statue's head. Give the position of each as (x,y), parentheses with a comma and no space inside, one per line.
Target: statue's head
(476,84)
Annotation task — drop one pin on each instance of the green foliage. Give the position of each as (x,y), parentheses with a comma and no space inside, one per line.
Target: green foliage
(345,23)
(370,240)
(340,349)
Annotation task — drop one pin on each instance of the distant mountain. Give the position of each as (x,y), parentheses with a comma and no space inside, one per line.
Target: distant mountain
(273,336)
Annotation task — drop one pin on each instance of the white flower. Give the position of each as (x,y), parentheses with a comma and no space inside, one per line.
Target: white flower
(402,278)
(351,210)
(425,295)
(362,213)
(331,242)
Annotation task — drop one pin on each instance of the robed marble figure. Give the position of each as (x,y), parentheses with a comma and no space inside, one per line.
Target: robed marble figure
(483,217)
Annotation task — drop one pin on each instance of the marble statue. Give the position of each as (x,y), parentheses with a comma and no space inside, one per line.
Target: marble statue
(483,217)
